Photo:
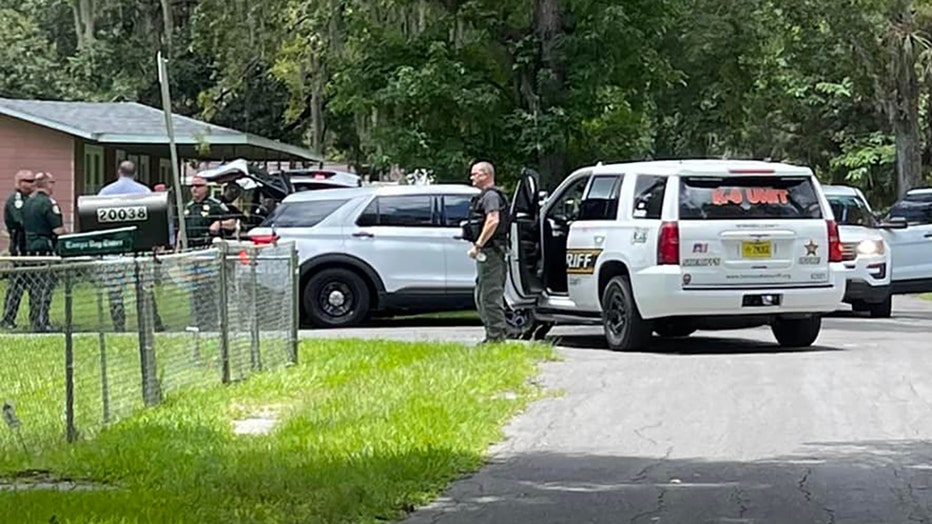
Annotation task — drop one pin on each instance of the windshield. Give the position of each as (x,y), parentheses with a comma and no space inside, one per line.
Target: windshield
(748,197)
(850,211)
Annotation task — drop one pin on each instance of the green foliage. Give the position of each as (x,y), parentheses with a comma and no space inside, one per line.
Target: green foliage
(548,84)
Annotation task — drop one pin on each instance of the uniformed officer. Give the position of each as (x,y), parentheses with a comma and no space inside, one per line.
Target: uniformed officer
(204,217)
(13,219)
(489,249)
(43,224)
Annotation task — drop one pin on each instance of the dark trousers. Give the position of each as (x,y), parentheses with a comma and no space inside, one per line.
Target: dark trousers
(204,297)
(490,293)
(16,286)
(41,285)
(118,309)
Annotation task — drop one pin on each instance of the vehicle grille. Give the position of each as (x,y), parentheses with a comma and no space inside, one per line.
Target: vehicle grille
(849,251)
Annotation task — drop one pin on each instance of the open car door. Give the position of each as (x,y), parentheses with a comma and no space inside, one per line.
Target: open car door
(523,282)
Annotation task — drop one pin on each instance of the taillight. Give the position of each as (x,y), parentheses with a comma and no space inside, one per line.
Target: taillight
(264,239)
(668,246)
(835,249)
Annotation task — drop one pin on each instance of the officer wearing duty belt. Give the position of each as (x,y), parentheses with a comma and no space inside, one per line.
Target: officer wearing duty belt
(204,218)
(43,224)
(488,215)
(13,219)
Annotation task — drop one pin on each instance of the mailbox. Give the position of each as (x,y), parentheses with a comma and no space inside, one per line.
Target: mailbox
(149,213)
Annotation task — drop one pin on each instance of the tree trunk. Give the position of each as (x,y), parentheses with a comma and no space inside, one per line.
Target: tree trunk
(904,106)
(83,21)
(551,78)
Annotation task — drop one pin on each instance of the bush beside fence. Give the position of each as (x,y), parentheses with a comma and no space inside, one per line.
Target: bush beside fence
(207,316)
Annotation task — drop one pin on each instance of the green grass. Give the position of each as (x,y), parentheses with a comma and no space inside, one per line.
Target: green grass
(172,302)
(926,296)
(367,431)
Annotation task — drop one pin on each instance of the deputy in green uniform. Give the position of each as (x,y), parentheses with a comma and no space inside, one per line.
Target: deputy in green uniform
(13,219)
(42,219)
(205,217)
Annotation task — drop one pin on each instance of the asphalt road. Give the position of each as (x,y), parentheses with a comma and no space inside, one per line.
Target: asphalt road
(722,427)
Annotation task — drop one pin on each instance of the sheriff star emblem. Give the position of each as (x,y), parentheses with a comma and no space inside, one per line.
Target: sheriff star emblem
(811,248)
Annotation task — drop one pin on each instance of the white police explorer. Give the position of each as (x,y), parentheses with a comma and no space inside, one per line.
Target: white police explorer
(676,246)
(907,228)
(376,249)
(864,251)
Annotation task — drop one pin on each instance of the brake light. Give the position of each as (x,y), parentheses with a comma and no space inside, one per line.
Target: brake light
(668,245)
(740,171)
(264,239)
(835,249)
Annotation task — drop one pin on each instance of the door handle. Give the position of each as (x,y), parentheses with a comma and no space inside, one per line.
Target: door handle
(363,234)
(928,235)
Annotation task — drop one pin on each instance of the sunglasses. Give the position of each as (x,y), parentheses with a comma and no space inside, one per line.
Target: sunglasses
(198,185)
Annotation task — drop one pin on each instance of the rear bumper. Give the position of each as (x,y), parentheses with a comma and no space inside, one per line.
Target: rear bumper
(659,294)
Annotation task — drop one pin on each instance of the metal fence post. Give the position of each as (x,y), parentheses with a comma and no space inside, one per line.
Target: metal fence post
(150,388)
(102,342)
(224,316)
(71,430)
(254,352)
(295,302)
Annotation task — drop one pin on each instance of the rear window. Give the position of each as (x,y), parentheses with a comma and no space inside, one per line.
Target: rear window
(748,197)
(301,214)
(850,211)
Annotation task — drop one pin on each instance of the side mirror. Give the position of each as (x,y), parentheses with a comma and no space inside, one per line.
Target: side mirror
(894,223)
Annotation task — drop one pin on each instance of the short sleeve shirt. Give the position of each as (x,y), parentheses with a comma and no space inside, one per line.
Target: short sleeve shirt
(41,216)
(491,201)
(198,216)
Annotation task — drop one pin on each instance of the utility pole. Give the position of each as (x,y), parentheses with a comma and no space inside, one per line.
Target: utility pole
(167,110)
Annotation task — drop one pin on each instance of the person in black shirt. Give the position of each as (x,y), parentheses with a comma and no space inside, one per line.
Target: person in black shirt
(13,219)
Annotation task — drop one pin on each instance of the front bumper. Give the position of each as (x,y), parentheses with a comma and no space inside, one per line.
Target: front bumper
(858,290)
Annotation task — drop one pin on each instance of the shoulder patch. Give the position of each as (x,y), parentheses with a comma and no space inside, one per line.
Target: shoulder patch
(55,209)
(19,203)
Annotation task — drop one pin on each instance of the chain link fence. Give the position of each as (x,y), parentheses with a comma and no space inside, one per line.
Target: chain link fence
(94,340)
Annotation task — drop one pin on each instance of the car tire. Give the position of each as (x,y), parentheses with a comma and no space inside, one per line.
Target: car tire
(335,298)
(625,330)
(797,332)
(882,309)
(674,330)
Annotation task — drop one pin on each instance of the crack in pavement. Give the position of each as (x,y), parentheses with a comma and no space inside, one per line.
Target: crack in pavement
(641,475)
(801,485)
(740,500)
(651,426)
(661,507)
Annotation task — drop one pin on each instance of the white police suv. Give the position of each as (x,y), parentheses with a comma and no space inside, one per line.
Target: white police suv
(907,228)
(864,251)
(387,249)
(676,246)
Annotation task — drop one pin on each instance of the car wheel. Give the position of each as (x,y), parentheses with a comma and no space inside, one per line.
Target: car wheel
(674,330)
(336,298)
(624,327)
(797,332)
(882,309)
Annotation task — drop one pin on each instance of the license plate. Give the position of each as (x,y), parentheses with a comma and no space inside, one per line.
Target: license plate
(756,249)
